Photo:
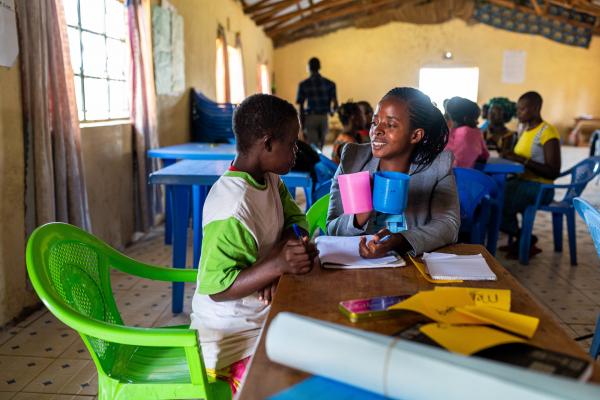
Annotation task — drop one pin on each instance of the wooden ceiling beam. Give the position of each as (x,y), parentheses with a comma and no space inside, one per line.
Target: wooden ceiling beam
(319,7)
(277,7)
(259,5)
(580,6)
(334,24)
(536,6)
(340,12)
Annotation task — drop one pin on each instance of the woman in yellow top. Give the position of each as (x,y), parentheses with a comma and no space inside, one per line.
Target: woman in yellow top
(538,149)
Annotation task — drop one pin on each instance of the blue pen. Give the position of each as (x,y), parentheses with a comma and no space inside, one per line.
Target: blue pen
(385,238)
(299,234)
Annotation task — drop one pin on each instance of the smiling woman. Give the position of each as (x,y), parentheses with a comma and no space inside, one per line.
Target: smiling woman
(408,135)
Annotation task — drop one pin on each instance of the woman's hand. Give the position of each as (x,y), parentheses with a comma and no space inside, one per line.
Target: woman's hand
(378,248)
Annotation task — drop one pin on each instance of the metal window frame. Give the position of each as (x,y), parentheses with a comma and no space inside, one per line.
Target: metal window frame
(82,75)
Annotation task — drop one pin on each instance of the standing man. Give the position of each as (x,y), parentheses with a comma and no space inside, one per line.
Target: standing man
(320,95)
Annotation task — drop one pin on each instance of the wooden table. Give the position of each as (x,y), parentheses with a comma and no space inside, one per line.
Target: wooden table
(317,295)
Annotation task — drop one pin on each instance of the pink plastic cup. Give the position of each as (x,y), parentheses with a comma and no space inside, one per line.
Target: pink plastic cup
(356,192)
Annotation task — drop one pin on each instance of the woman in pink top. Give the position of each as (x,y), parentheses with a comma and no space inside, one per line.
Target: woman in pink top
(465,139)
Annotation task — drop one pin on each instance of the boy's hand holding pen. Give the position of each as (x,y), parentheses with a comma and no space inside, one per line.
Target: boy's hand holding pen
(298,255)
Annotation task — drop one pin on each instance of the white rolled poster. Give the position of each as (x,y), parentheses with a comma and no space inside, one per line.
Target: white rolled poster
(401,369)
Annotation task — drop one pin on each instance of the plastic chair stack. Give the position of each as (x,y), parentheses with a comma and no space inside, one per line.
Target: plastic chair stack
(591,217)
(581,174)
(70,271)
(477,194)
(211,122)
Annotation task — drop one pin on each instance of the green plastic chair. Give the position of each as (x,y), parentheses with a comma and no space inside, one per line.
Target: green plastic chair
(317,215)
(70,271)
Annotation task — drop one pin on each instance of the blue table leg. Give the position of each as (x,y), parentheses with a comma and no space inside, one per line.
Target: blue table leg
(494,227)
(198,198)
(168,222)
(180,205)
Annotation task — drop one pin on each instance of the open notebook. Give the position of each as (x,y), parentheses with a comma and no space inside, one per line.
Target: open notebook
(451,266)
(342,252)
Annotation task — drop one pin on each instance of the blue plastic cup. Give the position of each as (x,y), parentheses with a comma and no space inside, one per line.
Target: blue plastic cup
(390,192)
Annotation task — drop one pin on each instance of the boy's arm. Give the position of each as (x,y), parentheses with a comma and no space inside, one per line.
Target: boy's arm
(291,214)
(229,268)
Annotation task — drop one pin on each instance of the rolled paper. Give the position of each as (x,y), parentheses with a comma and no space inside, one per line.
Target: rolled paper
(406,370)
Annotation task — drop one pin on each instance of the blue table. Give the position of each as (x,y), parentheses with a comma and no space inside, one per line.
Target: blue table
(498,169)
(194,151)
(188,151)
(198,176)
(199,151)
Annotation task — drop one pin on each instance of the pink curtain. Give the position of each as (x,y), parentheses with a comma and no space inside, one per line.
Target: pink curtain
(143,113)
(55,188)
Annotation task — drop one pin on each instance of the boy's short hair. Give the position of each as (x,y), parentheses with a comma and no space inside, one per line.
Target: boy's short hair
(259,115)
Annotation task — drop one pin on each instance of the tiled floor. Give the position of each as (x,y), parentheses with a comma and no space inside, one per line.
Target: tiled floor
(42,359)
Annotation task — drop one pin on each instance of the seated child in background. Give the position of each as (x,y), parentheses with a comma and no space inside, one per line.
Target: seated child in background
(248,237)
(497,135)
(367,112)
(408,135)
(465,140)
(352,121)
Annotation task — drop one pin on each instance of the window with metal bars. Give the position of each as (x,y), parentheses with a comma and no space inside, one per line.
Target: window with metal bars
(97,30)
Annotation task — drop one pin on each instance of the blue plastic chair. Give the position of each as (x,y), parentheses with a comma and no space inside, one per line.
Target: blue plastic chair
(581,174)
(477,194)
(324,171)
(591,217)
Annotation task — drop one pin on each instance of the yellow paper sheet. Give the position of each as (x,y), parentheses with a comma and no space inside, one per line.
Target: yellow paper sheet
(439,306)
(510,321)
(467,339)
(423,270)
(497,298)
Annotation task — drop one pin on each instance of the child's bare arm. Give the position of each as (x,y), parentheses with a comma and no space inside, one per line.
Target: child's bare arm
(289,258)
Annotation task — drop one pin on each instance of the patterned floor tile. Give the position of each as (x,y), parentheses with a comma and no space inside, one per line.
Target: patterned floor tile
(8,333)
(17,372)
(66,376)
(46,396)
(142,307)
(76,350)
(46,337)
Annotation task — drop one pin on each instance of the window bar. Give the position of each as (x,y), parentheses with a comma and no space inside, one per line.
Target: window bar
(109,116)
(81,80)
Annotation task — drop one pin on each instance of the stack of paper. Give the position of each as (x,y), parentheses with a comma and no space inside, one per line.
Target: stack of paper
(458,310)
(454,267)
(342,252)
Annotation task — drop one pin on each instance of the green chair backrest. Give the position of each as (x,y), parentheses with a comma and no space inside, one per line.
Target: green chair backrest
(71,273)
(317,215)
